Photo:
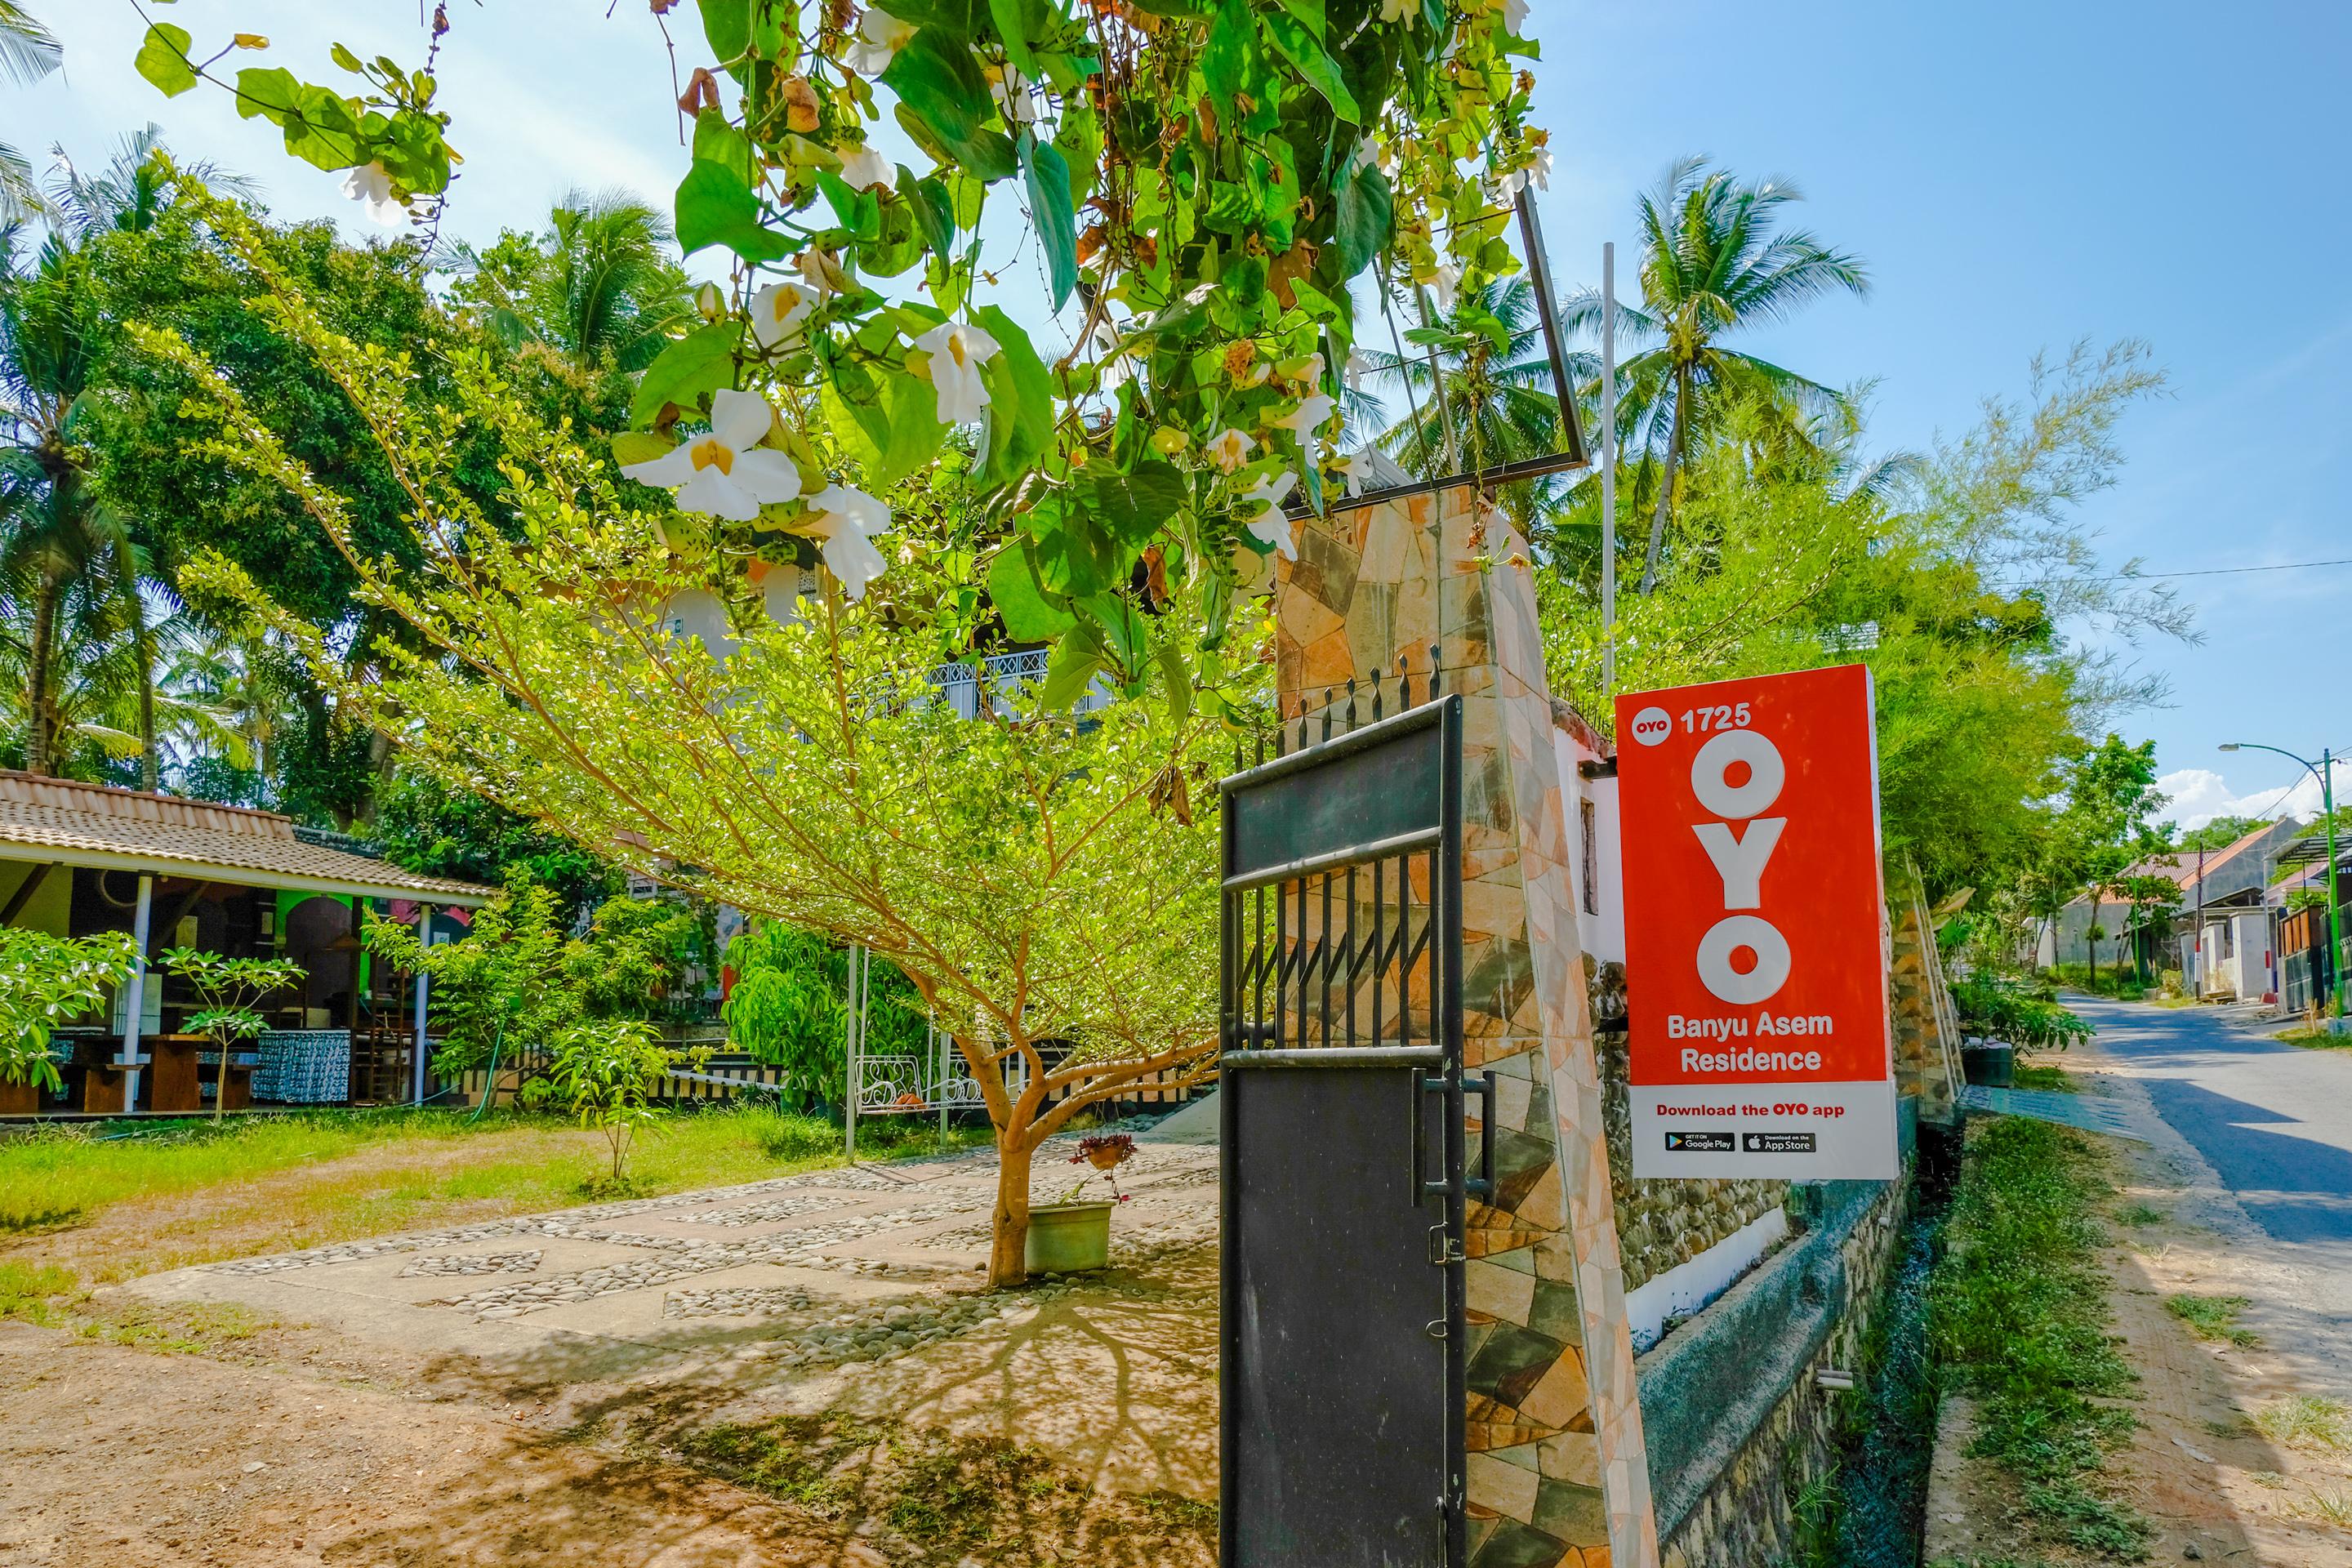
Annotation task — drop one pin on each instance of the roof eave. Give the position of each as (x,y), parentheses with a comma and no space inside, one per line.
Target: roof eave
(461,894)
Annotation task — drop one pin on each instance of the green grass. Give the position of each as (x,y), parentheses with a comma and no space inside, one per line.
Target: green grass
(2215,1318)
(2321,1039)
(2308,1421)
(2018,1317)
(2142,1214)
(2042,1074)
(272,1184)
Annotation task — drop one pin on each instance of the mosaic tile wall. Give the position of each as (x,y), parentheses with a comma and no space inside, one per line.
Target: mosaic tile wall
(1558,1477)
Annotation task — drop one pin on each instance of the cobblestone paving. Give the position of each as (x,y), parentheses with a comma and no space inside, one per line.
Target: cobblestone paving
(760,1213)
(468,1264)
(745,1302)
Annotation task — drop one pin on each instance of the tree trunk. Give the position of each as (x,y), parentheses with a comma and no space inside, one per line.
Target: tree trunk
(1666,488)
(1007,1262)
(37,728)
(151,761)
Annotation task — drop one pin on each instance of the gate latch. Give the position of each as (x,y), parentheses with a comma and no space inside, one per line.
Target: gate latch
(1444,1249)
(1435,1328)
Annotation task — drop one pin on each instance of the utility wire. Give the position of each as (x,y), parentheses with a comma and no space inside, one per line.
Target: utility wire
(2216,571)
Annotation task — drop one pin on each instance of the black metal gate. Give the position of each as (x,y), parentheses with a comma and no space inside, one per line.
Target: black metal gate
(1344,1150)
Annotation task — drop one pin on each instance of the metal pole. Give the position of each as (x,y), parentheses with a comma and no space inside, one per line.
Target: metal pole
(416,1066)
(852,1024)
(138,999)
(2334,903)
(1608,471)
(2197,980)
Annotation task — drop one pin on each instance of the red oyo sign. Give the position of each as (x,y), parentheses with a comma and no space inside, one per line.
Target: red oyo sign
(1755,976)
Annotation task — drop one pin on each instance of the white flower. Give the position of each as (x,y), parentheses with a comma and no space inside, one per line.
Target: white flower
(777,313)
(880,37)
(958,350)
(1013,95)
(862,169)
(1399,10)
(371,186)
(846,520)
(1355,369)
(1309,416)
(726,473)
(1539,170)
(1357,466)
(698,614)
(1272,525)
(1230,448)
(1311,371)
(1443,283)
(1508,186)
(1515,17)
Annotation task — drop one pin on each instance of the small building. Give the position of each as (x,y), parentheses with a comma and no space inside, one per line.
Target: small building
(77,859)
(2299,902)
(2217,932)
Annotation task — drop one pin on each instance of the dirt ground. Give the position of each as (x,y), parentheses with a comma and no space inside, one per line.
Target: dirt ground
(344,1411)
(2200,1468)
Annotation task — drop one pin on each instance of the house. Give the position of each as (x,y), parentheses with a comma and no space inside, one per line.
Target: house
(77,859)
(2298,903)
(2222,941)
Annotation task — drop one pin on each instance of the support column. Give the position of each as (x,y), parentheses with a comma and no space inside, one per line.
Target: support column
(140,920)
(419,1054)
(1558,1472)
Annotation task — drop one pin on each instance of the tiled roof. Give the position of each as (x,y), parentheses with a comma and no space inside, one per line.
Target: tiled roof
(68,822)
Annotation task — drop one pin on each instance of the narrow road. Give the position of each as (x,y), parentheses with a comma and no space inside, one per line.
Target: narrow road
(2261,1133)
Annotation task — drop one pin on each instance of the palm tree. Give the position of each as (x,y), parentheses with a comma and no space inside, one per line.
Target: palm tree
(1711,263)
(598,287)
(27,53)
(1497,404)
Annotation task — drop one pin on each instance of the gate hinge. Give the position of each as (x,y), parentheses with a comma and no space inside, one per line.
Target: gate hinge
(1444,1249)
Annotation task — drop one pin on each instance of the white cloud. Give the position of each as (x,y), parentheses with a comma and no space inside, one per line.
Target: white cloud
(2196,795)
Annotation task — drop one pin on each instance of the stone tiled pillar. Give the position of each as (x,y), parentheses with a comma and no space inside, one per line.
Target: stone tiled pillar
(1558,1477)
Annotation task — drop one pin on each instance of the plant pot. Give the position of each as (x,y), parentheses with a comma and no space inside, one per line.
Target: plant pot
(1988,1063)
(1068,1239)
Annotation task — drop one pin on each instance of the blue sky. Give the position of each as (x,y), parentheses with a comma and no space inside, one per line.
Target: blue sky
(2017,177)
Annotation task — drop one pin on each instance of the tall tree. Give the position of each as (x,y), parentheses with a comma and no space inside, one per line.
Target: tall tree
(1479,394)
(1712,263)
(28,52)
(599,287)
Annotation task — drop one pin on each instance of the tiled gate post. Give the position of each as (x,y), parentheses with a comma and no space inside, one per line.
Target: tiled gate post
(1556,1471)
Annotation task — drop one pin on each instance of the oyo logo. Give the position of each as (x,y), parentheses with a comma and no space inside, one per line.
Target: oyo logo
(1652,725)
(1739,859)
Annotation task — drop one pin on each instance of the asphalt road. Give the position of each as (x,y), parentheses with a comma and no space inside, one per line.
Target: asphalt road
(2274,1120)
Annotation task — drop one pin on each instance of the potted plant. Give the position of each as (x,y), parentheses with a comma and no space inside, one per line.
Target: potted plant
(1074,1235)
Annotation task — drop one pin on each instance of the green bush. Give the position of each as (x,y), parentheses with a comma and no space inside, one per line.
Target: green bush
(789,1008)
(2011,1010)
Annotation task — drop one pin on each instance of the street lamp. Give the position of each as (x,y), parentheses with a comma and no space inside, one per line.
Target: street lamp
(2334,906)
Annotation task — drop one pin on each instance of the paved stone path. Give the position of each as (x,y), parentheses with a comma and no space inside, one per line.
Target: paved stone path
(863,1263)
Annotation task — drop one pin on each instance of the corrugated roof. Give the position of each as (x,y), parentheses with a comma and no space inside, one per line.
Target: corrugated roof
(63,822)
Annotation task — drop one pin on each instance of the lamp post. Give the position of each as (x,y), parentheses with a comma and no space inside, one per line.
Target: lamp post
(2326,768)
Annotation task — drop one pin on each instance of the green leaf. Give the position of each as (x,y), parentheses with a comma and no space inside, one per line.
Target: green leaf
(718,141)
(915,431)
(1031,420)
(702,361)
(727,24)
(1126,634)
(1132,507)
(1179,679)
(1074,661)
(162,59)
(715,206)
(934,211)
(859,420)
(1224,63)
(1365,216)
(1322,71)
(938,84)
(1021,599)
(1309,14)
(1012,26)
(1048,180)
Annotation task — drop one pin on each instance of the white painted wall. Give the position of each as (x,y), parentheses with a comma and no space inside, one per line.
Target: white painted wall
(1602,932)
(1692,1284)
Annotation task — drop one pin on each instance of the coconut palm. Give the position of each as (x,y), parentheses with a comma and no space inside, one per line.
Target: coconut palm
(27,53)
(1497,404)
(599,287)
(1711,263)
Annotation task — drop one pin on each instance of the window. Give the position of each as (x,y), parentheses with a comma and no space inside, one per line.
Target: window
(1590,819)
(2229,939)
